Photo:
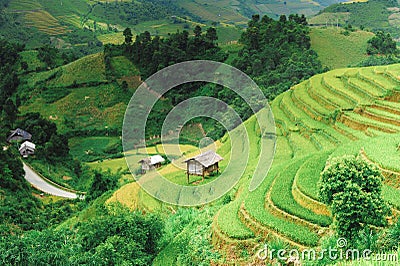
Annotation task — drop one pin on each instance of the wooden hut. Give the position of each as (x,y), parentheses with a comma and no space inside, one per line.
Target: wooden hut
(19,134)
(151,163)
(27,148)
(203,164)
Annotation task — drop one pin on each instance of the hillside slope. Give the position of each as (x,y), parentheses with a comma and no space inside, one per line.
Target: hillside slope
(345,111)
(321,117)
(373,15)
(337,50)
(81,24)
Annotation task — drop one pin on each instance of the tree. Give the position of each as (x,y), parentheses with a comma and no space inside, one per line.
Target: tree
(48,55)
(352,188)
(211,35)
(40,128)
(56,148)
(102,182)
(128,35)
(197,31)
(382,43)
(124,86)
(10,111)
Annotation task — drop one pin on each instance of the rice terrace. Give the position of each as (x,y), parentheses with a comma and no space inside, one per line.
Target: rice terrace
(77,79)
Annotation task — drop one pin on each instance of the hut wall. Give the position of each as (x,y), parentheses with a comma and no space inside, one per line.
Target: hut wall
(195,168)
(212,168)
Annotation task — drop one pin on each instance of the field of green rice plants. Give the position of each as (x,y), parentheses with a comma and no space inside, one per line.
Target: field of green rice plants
(372,123)
(318,86)
(383,114)
(281,195)
(387,158)
(255,202)
(308,175)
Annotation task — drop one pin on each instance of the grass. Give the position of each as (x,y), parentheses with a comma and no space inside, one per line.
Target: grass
(329,19)
(383,114)
(21,5)
(85,98)
(44,22)
(336,82)
(228,34)
(392,195)
(111,38)
(255,203)
(91,148)
(388,157)
(87,108)
(101,105)
(305,99)
(366,87)
(372,123)
(30,57)
(309,174)
(336,50)
(230,224)
(317,87)
(77,71)
(281,195)
(123,67)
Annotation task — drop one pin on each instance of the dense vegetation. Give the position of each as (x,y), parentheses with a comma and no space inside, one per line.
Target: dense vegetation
(353,189)
(117,237)
(318,118)
(277,54)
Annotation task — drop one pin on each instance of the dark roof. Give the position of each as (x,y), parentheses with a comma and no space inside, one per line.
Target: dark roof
(19,134)
(206,159)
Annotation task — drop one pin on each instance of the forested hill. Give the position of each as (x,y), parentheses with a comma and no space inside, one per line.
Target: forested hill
(287,60)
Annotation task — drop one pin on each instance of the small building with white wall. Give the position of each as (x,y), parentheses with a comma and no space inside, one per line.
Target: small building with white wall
(151,163)
(27,148)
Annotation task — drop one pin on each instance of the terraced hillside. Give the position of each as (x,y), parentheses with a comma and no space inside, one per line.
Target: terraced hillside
(345,111)
(77,99)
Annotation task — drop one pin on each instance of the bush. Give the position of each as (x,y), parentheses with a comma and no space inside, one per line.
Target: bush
(352,187)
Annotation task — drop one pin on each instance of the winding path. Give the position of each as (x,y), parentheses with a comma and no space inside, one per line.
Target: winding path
(39,183)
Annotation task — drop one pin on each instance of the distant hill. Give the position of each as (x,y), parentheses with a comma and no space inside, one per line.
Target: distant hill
(239,11)
(372,15)
(84,25)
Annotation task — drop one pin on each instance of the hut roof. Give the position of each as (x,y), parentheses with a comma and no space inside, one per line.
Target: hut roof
(27,145)
(152,160)
(207,159)
(19,134)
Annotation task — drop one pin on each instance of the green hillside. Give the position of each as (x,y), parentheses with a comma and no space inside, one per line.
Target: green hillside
(75,98)
(318,118)
(337,50)
(372,15)
(80,24)
(346,111)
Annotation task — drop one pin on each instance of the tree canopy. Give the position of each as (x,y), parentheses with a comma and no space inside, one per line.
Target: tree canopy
(352,187)
(277,54)
(382,43)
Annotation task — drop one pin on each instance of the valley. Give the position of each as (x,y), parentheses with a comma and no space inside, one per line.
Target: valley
(330,81)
